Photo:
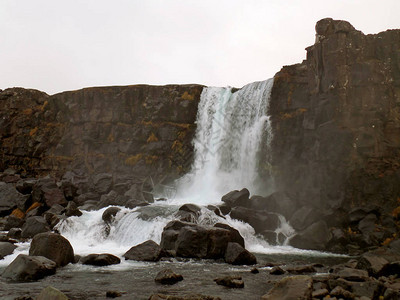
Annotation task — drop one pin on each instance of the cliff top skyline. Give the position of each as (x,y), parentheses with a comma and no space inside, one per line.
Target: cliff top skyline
(59,46)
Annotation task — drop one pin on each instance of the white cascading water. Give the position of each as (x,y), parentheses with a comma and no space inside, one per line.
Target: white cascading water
(231,130)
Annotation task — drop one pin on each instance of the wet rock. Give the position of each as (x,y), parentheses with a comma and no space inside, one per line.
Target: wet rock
(13,222)
(100,260)
(72,210)
(350,274)
(109,214)
(372,263)
(236,198)
(167,276)
(304,217)
(259,220)
(295,287)
(278,202)
(113,294)
(14,233)
(10,198)
(254,271)
(54,247)
(25,186)
(189,212)
(320,293)
(230,281)
(224,209)
(237,255)
(147,251)
(367,224)
(51,293)
(277,271)
(302,270)
(314,237)
(34,226)
(341,293)
(46,191)
(392,268)
(6,248)
(235,236)
(29,268)
(69,189)
(192,242)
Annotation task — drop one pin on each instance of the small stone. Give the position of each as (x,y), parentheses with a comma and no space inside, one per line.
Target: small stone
(113,294)
(51,293)
(277,271)
(254,271)
(230,281)
(167,276)
(320,293)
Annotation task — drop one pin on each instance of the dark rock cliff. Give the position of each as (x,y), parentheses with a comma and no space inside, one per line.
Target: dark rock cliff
(335,152)
(115,135)
(336,119)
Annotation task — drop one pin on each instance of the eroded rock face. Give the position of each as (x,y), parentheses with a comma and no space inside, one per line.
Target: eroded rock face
(336,124)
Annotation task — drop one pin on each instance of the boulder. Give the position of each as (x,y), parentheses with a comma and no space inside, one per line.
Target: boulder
(192,242)
(295,287)
(237,255)
(314,237)
(147,251)
(278,202)
(69,189)
(6,248)
(189,212)
(25,186)
(230,281)
(34,226)
(72,210)
(304,217)
(259,220)
(10,198)
(100,260)
(170,234)
(351,274)
(367,224)
(46,191)
(109,214)
(13,222)
(374,264)
(234,234)
(277,271)
(29,268)
(167,276)
(51,293)
(102,183)
(237,198)
(54,247)
(14,233)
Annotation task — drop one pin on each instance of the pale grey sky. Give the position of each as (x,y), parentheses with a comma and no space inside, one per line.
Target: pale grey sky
(57,45)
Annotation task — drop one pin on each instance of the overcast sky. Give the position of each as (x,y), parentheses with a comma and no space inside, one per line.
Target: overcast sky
(57,45)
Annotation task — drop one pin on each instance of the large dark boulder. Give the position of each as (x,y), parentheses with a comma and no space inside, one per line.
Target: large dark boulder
(147,251)
(6,248)
(34,226)
(72,210)
(237,198)
(10,198)
(54,247)
(109,214)
(29,268)
(13,222)
(314,237)
(46,191)
(237,255)
(100,260)
(234,235)
(278,202)
(192,242)
(188,212)
(259,220)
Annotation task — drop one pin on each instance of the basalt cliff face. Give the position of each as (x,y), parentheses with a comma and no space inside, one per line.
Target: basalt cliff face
(335,152)
(100,138)
(336,119)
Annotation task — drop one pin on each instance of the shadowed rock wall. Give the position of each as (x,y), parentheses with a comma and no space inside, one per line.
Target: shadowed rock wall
(336,119)
(118,135)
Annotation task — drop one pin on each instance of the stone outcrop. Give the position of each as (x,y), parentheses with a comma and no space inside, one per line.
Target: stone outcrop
(100,139)
(336,122)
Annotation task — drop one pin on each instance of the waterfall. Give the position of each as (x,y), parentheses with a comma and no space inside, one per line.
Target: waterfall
(231,145)
(232,129)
